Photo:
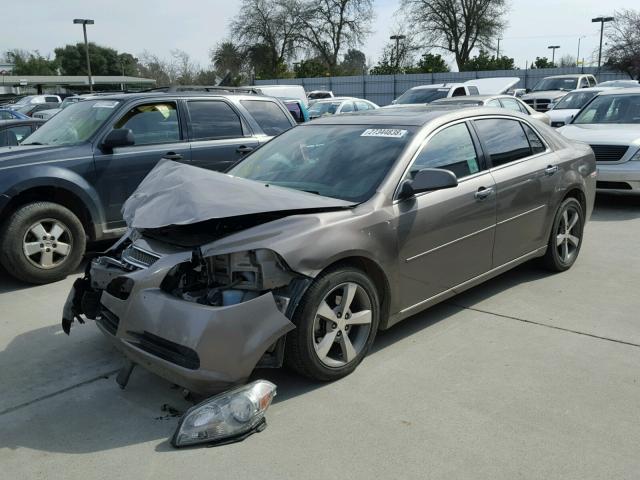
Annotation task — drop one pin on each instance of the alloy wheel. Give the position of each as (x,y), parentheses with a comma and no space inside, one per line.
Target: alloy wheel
(47,243)
(342,325)
(567,235)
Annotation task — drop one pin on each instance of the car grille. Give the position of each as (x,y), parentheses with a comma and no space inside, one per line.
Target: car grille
(109,320)
(539,104)
(138,257)
(166,349)
(609,153)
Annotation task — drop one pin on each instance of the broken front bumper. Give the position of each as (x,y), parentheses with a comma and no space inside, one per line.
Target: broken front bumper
(203,348)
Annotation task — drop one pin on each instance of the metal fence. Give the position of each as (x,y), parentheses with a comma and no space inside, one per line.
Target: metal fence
(382,89)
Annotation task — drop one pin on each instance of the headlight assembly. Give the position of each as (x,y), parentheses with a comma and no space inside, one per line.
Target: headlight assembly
(226,418)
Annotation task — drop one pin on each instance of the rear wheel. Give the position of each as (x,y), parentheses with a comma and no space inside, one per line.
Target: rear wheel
(42,242)
(566,236)
(336,324)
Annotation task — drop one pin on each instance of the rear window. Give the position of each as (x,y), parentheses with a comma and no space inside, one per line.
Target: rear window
(272,120)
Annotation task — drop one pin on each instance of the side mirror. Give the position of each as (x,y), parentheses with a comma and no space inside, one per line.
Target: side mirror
(119,137)
(428,180)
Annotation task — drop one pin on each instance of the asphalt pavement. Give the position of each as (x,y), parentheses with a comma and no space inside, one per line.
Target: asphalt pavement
(531,375)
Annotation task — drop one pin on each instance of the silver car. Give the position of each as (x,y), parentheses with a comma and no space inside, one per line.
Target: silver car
(339,105)
(497,101)
(332,231)
(610,123)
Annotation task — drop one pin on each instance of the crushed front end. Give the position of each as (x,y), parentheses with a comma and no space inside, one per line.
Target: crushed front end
(203,323)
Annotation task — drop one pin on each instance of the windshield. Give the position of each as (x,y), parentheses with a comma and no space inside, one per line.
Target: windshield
(340,161)
(323,108)
(611,109)
(422,95)
(24,100)
(556,84)
(75,124)
(574,100)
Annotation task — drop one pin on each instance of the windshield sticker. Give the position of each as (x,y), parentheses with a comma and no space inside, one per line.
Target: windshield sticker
(384,132)
(105,104)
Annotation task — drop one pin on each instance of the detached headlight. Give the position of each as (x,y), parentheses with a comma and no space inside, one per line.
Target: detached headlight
(226,418)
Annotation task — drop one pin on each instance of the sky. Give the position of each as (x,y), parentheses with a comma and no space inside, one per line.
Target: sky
(195,26)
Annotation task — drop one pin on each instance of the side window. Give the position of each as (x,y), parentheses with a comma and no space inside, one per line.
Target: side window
(523,107)
(592,81)
(51,99)
(459,92)
(450,149)
(152,123)
(12,136)
(473,90)
(583,83)
(295,111)
(362,106)
(272,120)
(5,116)
(534,140)
(213,119)
(511,104)
(494,103)
(504,139)
(347,107)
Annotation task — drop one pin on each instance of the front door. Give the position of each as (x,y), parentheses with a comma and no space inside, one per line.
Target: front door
(445,237)
(157,133)
(218,136)
(526,176)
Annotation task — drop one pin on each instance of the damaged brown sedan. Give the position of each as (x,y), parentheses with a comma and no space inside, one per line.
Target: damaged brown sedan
(331,231)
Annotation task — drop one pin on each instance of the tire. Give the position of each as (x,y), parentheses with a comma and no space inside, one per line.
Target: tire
(52,233)
(561,256)
(305,348)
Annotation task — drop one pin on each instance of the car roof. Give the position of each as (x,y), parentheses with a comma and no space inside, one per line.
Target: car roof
(621,91)
(569,75)
(190,94)
(417,115)
(437,85)
(593,89)
(20,121)
(335,99)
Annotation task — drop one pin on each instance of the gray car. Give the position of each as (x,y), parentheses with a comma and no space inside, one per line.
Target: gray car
(498,101)
(332,231)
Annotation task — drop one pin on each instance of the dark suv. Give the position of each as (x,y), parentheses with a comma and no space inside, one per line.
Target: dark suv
(67,182)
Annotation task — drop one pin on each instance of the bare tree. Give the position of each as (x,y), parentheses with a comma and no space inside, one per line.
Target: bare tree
(186,69)
(272,24)
(457,26)
(623,39)
(162,71)
(330,26)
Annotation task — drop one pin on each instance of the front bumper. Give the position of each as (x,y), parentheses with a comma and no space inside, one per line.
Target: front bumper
(203,348)
(619,178)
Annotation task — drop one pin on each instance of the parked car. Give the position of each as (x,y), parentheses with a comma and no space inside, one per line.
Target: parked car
(283,92)
(33,99)
(319,95)
(318,253)
(30,109)
(620,84)
(338,105)
(563,111)
(8,114)
(13,132)
(610,123)
(48,113)
(428,93)
(499,101)
(68,182)
(297,109)
(551,89)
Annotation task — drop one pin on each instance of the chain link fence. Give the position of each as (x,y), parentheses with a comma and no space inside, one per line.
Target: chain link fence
(382,89)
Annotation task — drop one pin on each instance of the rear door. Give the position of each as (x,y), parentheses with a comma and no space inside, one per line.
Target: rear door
(446,236)
(158,133)
(526,175)
(219,137)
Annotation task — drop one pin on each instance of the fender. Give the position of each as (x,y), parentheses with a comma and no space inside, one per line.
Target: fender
(48,175)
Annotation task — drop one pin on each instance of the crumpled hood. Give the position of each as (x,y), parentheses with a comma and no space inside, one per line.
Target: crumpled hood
(550,94)
(178,194)
(26,154)
(603,133)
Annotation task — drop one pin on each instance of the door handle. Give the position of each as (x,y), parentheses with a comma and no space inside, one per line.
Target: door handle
(551,169)
(244,149)
(172,156)
(483,193)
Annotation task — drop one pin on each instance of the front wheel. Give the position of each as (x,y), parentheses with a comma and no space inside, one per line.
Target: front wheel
(566,236)
(42,242)
(336,322)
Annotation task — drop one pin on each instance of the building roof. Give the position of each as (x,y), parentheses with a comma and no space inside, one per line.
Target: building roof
(82,80)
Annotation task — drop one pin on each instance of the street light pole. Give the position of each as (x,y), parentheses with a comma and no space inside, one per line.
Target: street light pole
(578,54)
(602,21)
(84,22)
(397,38)
(553,54)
